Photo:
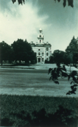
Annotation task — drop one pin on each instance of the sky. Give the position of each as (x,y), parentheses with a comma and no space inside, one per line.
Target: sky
(59,24)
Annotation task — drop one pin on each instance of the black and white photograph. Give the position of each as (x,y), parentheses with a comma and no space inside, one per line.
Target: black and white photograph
(38,63)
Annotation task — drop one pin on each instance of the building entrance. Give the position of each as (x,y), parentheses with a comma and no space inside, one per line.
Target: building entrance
(38,59)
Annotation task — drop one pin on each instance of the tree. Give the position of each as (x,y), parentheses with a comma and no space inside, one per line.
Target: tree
(51,59)
(67,59)
(58,56)
(5,52)
(33,57)
(72,50)
(22,51)
(75,58)
(73,46)
(70,2)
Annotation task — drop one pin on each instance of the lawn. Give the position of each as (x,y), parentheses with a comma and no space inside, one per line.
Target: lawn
(23,111)
(29,98)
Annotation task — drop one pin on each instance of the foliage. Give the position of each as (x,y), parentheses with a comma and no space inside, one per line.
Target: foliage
(70,2)
(6,52)
(67,59)
(19,51)
(58,56)
(34,110)
(51,59)
(23,51)
(72,50)
(46,61)
(75,57)
(69,56)
(73,46)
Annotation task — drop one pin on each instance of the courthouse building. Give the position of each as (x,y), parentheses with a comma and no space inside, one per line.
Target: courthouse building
(41,48)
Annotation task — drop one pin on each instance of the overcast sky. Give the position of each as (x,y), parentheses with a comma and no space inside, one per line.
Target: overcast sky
(59,24)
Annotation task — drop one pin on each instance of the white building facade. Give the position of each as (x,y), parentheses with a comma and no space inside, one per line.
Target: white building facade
(42,49)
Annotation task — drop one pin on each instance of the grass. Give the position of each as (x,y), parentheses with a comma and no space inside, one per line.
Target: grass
(23,111)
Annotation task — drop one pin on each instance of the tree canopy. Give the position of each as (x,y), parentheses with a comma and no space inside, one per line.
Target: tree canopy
(58,56)
(5,52)
(73,46)
(19,51)
(23,51)
(72,49)
(69,56)
(70,2)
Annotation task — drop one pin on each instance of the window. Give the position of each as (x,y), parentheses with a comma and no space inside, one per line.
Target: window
(39,53)
(42,53)
(47,54)
(38,49)
(43,59)
(40,36)
(46,49)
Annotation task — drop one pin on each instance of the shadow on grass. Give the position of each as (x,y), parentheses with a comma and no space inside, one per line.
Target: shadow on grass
(36,111)
(61,118)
